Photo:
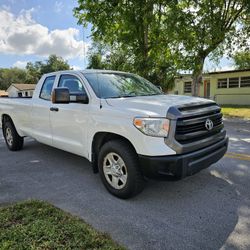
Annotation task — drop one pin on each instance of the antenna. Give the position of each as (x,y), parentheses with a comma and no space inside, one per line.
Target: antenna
(99,90)
(83,48)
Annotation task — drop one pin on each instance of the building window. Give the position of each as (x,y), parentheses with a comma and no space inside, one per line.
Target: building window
(187,87)
(222,83)
(245,81)
(234,82)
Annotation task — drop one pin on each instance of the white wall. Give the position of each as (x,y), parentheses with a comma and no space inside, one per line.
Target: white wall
(12,91)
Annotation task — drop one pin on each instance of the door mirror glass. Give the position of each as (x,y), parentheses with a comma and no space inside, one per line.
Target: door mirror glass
(60,95)
(79,98)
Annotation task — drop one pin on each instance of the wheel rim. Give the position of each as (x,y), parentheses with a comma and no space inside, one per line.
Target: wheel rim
(9,136)
(115,170)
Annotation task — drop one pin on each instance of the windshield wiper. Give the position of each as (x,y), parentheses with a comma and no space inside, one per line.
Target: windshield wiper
(128,95)
(152,94)
(120,96)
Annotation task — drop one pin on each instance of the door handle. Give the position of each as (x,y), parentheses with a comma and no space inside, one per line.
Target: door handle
(54,109)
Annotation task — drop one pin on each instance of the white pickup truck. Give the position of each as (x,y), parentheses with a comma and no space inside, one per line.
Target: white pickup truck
(124,125)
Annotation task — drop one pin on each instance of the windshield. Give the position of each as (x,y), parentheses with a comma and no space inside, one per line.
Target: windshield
(116,85)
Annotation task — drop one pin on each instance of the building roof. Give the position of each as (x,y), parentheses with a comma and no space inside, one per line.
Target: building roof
(214,73)
(228,71)
(24,86)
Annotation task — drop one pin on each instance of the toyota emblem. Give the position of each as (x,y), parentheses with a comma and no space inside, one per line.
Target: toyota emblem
(209,124)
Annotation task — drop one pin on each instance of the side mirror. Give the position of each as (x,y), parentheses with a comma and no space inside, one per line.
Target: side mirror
(60,95)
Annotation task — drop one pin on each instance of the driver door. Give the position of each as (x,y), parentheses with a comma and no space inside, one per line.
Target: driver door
(69,121)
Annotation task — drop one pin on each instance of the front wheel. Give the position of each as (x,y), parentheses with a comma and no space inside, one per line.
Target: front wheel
(12,138)
(119,169)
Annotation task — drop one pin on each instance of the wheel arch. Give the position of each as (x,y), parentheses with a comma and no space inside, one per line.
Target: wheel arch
(6,117)
(99,139)
(15,141)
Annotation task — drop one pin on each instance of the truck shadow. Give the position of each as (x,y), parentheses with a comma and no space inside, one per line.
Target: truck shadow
(199,212)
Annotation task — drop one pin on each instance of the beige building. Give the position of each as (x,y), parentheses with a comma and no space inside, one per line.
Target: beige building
(225,87)
(3,93)
(21,90)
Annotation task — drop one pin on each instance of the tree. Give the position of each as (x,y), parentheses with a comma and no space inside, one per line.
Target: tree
(242,60)
(33,72)
(12,75)
(37,69)
(96,56)
(101,56)
(135,33)
(163,36)
(54,63)
(207,28)
(95,61)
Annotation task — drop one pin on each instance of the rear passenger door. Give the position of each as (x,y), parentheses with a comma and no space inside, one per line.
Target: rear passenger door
(40,115)
(69,121)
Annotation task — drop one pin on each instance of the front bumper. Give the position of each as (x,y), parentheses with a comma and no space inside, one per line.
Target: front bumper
(184,164)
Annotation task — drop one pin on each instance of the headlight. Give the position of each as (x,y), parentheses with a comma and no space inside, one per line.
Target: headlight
(153,126)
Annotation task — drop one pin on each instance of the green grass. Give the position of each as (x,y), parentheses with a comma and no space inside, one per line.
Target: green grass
(39,225)
(236,111)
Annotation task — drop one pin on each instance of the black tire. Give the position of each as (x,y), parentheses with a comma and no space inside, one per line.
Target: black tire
(13,141)
(134,180)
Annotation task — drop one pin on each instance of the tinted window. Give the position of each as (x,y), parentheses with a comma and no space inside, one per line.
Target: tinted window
(72,83)
(115,85)
(245,81)
(222,83)
(234,82)
(47,88)
(187,87)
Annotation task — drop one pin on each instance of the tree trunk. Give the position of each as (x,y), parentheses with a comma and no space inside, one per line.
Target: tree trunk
(197,75)
(146,13)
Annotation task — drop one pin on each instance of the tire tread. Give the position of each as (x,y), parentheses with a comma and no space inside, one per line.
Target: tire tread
(130,157)
(17,139)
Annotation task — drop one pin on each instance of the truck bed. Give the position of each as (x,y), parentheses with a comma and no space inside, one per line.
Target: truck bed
(18,109)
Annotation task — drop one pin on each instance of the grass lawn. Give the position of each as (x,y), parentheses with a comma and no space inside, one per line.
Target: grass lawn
(236,111)
(39,225)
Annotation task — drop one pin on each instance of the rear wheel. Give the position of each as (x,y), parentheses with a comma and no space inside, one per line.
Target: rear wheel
(119,169)
(12,138)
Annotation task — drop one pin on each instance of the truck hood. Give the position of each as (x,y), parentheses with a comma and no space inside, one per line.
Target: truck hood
(153,105)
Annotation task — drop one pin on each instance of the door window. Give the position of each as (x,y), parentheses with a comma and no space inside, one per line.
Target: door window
(47,88)
(72,83)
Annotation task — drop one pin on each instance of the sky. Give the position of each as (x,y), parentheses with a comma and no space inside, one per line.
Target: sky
(31,30)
